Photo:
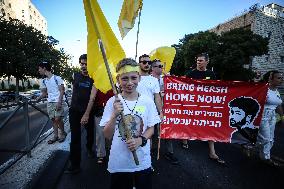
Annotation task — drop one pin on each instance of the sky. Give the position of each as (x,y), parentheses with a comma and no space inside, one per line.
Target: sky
(163,22)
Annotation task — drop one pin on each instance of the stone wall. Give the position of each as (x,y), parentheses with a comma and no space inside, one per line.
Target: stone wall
(243,21)
(273,28)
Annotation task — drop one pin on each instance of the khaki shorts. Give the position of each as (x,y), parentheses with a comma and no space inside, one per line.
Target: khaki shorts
(52,112)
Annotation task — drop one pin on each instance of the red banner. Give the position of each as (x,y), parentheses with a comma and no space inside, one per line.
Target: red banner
(211,109)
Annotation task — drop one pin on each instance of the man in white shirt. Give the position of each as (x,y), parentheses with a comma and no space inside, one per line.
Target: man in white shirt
(54,87)
(148,84)
(157,71)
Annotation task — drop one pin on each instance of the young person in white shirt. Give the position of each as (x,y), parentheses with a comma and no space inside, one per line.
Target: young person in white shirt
(141,113)
(53,86)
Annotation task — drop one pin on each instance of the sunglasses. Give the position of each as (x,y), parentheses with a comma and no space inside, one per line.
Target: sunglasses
(160,66)
(83,64)
(145,62)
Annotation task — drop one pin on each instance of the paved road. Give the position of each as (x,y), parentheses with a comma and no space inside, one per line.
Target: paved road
(13,134)
(194,171)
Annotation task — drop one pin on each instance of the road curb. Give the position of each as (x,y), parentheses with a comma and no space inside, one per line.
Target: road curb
(26,171)
(53,169)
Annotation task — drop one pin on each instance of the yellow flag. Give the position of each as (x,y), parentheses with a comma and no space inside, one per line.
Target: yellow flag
(166,55)
(98,28)
(128,14)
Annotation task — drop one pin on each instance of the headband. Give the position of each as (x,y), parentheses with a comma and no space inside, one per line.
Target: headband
(128,68)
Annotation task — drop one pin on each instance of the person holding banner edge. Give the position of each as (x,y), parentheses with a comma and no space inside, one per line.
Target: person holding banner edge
(201,72)
(157,70)
(265,138)
(141,114)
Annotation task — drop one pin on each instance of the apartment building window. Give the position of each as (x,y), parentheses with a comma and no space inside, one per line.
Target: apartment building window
(31,17)
(10,6)
(282,59)
(2,2)
(2,12)
(269,35)
(23,11)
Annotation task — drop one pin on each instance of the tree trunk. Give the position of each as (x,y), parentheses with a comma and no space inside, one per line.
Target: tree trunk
(8,82)
(17,89)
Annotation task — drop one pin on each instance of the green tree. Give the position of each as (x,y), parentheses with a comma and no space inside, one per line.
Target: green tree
(22,47)
(228,52)
(238,46)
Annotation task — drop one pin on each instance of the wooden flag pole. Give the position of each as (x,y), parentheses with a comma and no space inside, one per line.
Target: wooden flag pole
(115,91)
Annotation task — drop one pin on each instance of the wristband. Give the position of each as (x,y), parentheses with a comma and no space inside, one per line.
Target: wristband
(144,141)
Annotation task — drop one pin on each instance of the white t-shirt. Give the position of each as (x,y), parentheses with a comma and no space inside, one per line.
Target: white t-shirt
(148,86)
(273,99)
(144,115)
(52,87)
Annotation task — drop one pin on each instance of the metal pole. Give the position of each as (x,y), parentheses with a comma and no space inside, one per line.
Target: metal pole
(10,116)
(27,128)
(138,33)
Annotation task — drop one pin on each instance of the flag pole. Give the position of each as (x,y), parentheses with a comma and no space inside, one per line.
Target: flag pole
(115,91)
(138,32)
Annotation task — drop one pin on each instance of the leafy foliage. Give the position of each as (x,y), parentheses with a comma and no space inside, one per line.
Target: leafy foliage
(22,47)
(228,52)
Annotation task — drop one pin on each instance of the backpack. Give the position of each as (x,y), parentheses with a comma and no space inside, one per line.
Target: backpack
(56,81)
(100,102)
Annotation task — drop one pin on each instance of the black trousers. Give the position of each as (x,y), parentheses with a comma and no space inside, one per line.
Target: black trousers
(139,179)
(75,126)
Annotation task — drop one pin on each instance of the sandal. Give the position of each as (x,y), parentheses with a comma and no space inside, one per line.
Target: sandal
(61,140)
(271,163)
(100,160)
(217,160)
(51,141)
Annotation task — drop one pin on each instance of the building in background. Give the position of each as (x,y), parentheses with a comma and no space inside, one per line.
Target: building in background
(25,11)
(267,21)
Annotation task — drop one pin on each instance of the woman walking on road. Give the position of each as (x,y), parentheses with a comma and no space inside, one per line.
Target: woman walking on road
(265,138)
